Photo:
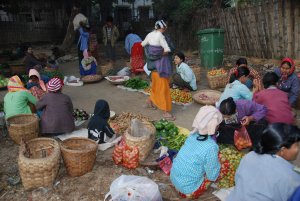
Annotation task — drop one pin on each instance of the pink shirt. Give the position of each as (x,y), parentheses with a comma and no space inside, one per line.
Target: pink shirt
(277,103)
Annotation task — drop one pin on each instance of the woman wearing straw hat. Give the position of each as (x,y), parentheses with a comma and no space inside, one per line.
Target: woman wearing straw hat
(158,62)
(57,110)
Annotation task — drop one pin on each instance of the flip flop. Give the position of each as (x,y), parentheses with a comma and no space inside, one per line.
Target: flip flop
(150,107)
(169,118)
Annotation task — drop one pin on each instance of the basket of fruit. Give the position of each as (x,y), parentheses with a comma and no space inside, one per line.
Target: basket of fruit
(18,69)
(91,78)
(197,70)
(117,79)
(217,78)
(207,97)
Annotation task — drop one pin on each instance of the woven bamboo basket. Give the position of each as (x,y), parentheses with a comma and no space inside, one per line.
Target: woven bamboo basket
(218,81)
(91,78)
(18,69)
(207,97)
(39,162)
(106,69)
(197,70)
(141,140)
(79,155)
(23,126)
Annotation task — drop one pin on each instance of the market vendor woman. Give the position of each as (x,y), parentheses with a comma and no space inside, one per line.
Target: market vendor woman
(196,164)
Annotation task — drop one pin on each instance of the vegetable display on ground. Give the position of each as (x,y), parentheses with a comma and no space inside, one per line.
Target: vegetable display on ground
(136,83)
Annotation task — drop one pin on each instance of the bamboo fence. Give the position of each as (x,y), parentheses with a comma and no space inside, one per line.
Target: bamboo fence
(267,30)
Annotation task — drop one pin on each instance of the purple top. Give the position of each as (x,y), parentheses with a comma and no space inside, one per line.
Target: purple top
(250,108)
(163,64)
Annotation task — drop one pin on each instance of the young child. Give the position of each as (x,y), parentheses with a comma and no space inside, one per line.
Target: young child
(196,164)
(57,110)
(98,127)
(266,173)
(184,77)
(88,64)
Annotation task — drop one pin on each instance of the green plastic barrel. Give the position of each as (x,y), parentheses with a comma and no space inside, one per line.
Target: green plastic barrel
(211,47)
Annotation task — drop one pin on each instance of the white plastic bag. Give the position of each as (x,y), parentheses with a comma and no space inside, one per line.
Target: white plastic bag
(79,18)
(124,72)
(133,188)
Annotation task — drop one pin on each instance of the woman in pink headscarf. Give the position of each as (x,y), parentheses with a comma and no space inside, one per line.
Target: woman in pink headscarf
(36,85)
(88,65)
(57,110)
(289,81)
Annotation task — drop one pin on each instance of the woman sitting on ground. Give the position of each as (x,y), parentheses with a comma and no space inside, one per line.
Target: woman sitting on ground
(253,75)
(57,110)
(98,127)
(279,109)
(35,84)
(88,64)
(288,81)
(184,77)
(266,173)
(236,87)
(18,100)
(196,164)
(241,113)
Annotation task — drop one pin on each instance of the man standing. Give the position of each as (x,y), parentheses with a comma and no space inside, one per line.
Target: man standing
(110,37)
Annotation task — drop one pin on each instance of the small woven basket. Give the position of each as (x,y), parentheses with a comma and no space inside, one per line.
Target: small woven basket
(19,69)
(79,155)
(38,162)
(207,97)
(106,69)
(23,126)
(217,81)
(197,70)
(144,143)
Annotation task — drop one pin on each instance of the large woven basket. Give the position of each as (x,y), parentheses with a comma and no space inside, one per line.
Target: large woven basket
(144,142)
(91,78)
(19,69)
(197,70)
(39,162)
(217,81)
(207,97)
(23,126)
(79,155)
(106,69)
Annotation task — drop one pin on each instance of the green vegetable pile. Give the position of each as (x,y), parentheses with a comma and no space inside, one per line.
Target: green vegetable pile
(136,83)
(55,73)
(168,134)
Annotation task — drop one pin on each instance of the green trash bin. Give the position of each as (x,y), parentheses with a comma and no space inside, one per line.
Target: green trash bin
(211,47)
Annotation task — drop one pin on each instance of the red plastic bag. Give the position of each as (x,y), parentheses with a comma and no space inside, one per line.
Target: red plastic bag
(118,152)
(242,139)
(166,165)
(130,157)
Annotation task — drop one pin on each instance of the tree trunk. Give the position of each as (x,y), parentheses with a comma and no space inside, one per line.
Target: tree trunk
(70,35)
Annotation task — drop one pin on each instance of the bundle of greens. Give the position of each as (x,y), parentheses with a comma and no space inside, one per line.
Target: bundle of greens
(136,83)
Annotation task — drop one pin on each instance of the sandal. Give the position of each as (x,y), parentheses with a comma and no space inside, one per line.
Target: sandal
(169,117)
(150,105)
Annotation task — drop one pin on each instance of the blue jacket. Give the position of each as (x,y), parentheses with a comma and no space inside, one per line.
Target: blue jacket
(83,39)
(291,86)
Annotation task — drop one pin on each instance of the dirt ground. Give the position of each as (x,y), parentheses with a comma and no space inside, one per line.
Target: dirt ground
(94,185)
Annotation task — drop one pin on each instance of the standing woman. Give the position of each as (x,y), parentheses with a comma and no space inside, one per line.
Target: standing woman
(82,41)
(289,81)
(157,49)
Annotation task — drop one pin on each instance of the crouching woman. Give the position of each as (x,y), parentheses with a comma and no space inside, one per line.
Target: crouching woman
(196,164)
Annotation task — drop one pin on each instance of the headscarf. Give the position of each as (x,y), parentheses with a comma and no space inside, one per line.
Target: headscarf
(100,117)
(207,120)
(41,82)
(15,84)
(54,85)
(287,59)
(160,24)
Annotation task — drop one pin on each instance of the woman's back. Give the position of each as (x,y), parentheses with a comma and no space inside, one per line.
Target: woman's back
(264,177)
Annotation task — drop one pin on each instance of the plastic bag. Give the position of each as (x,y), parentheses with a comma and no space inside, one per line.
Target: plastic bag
(242,139)
(133,188)
(166,165)
(124,72)
(130,157)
